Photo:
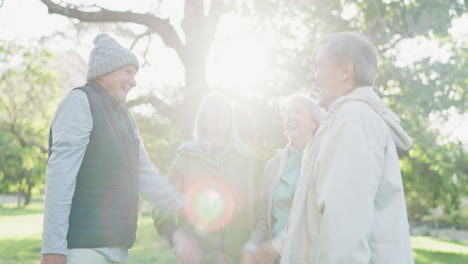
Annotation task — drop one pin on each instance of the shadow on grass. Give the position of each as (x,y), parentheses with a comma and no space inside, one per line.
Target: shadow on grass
(21,251)
(13,211)
(153,254)
(422,256)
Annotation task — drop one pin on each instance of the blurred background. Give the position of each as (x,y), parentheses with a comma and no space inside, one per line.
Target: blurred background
(256,53)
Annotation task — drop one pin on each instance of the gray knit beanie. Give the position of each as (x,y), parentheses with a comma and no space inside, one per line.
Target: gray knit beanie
(108,56)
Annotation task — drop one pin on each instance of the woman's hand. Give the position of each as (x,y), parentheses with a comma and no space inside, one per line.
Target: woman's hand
(266,253)
(248,258)
(186,248)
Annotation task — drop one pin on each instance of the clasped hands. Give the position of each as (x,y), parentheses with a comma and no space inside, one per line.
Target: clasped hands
(264,254)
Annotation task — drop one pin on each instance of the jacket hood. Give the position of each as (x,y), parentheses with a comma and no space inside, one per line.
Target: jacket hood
(192,146)
(195,148)
(368,96)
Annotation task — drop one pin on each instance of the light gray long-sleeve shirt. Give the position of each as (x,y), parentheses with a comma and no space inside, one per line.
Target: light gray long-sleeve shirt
(71,128)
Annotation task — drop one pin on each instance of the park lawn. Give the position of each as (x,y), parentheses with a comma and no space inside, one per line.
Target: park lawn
(20,238)
(20,241)
(20,234)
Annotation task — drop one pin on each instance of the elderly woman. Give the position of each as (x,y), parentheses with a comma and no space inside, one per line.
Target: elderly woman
(281,173)
(219,176)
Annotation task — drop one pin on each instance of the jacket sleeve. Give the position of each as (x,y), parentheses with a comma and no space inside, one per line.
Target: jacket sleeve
(156,188)
(351,164)
(165,223)
(71,128)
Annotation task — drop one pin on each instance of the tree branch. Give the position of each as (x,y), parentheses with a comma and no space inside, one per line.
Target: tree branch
(36,144)
(24,142)
(146,52)
(146,33)
(160,26)
(396,41)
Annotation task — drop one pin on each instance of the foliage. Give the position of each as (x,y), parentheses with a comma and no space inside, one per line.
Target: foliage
(161,139)
(28,95)
(435,170)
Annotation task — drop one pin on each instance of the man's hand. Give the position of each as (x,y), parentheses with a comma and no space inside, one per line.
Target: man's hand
(186,247)
(266,253)
(53,259)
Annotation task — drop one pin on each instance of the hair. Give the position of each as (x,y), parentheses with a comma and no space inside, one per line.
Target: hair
(356,48)
(210,103)
(316,112)
(218,102)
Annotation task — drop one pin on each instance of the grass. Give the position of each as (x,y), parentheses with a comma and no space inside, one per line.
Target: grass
(20,238)
(12,210)
(439,251)
(21,251)
(20,241)
(149,246)
(20,234)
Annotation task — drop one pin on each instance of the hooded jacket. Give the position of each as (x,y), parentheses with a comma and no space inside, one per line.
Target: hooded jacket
(221,199)
(349,206)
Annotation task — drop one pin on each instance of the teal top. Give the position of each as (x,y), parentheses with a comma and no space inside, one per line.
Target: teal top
(284,191)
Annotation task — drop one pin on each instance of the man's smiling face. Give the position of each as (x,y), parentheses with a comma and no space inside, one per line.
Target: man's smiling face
(119,82)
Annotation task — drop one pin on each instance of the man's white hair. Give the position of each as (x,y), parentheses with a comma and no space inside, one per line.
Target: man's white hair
(354,47)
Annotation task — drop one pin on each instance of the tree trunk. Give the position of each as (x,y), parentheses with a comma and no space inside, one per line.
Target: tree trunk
(28,194)
(20,197)
(199,29)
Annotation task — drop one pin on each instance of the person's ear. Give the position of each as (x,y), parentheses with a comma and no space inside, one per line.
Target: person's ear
(347,71)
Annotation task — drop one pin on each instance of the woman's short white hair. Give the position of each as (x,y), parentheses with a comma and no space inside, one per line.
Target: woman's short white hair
(315,110)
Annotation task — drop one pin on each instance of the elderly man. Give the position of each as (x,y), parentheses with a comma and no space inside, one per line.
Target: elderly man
(98,166)
(349,206)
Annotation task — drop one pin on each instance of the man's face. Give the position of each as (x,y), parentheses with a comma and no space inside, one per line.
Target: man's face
(327,75)
(119,82)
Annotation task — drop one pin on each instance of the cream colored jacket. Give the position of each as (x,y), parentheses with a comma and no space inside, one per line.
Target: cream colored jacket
(349,206)
(271,175)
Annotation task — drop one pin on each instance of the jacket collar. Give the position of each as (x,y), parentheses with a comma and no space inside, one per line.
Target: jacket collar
(102,91)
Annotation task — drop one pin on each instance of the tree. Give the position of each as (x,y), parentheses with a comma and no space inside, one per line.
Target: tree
(198,29)
(434,171)
(28,96)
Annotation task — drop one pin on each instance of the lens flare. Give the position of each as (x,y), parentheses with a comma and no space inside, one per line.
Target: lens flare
(209,205)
